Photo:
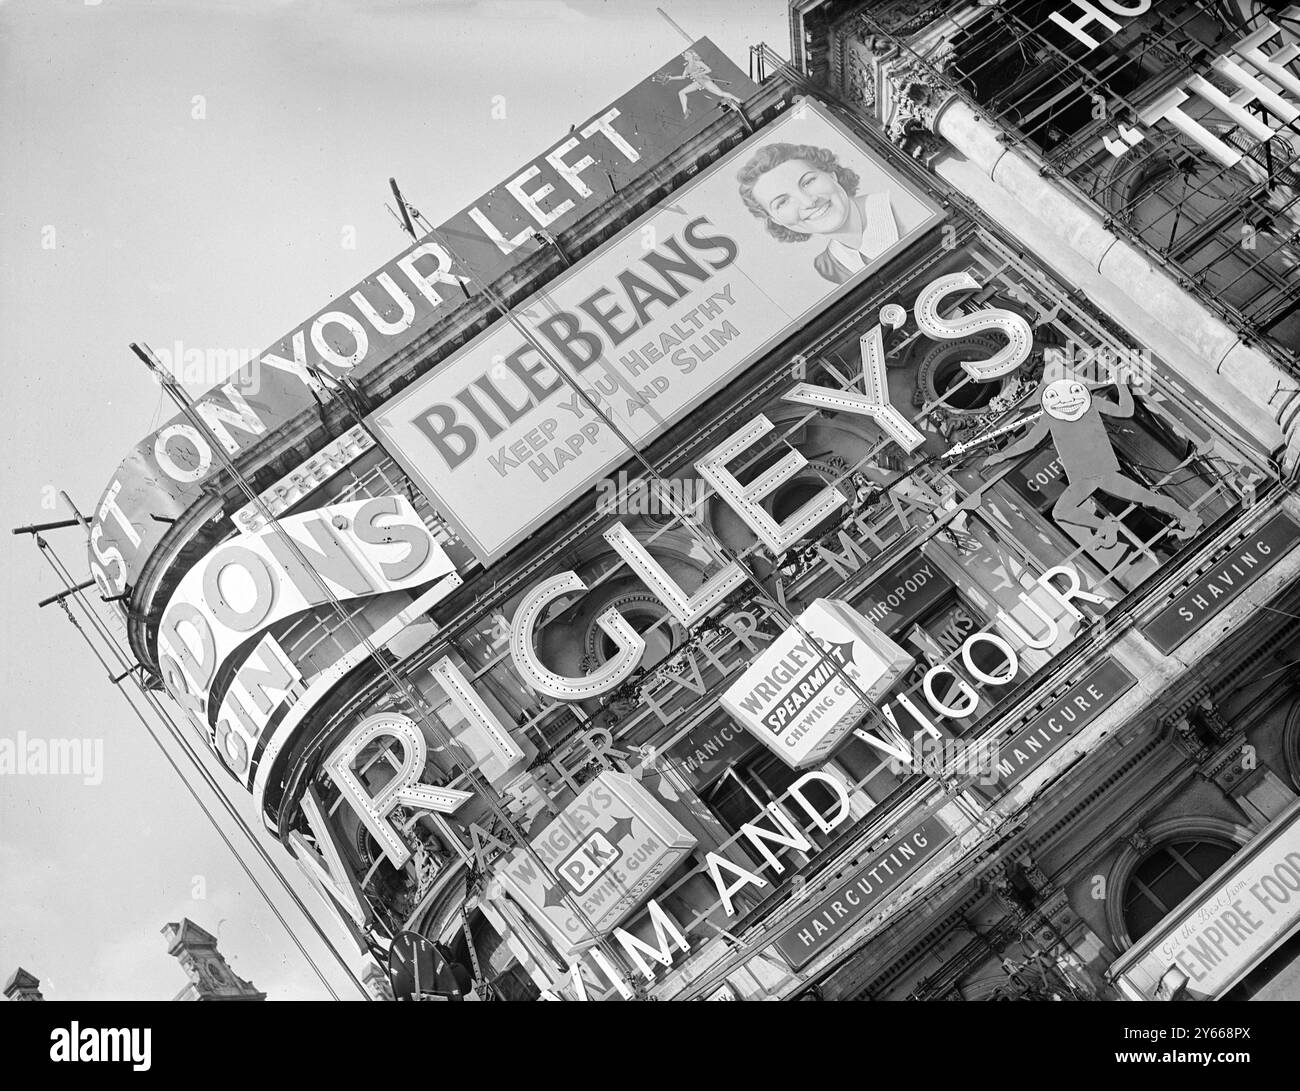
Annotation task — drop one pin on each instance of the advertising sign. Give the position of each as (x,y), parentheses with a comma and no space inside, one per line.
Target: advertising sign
(1245,910)
(1066,716)
(248,583)
(708,749)
(388,310)
(884,871)
(610,848)
(1040,478)
(903,593)
(1222,582)
(664,315)
(794,697)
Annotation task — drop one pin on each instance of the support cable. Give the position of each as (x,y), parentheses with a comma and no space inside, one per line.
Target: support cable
(207,812)
(62,572)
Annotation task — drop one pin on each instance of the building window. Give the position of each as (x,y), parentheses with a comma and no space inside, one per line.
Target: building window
(747,788)
(1165,877)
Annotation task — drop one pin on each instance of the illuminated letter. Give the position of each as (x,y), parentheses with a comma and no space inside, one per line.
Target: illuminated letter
(874,403)
(613,624)
(745,499)
(532,202)
(571,172)
(791,837)
(169,465)
(109,506)
(259,574)
(665,929)
(242,416)
(833,782)
(424,282)
(329,354)
(1074,591)
(1013,663)
(971,697)
(747,878)
(413,534)
(1018,332)
(1274,67)
(404,788)
(398,296)
(491,735)
(688,609)
(202,666)
(1090,14)
(327,869)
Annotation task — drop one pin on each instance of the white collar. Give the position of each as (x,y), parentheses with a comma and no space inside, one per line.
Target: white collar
(879,233)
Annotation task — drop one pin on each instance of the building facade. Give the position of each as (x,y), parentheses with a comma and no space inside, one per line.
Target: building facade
(809,545)
(210,975)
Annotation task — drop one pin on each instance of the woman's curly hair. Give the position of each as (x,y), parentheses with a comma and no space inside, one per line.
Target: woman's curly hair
(774,155)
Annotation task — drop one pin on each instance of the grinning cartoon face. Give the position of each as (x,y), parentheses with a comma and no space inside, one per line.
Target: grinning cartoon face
(804,198)
(1066,399)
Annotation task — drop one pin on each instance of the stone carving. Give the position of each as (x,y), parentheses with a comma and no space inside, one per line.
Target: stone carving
(1139,840)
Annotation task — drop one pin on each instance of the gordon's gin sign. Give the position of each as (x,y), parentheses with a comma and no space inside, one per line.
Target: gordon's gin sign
(806,691)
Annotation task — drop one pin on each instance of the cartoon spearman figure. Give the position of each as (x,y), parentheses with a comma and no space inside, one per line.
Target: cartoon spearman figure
(1073,417)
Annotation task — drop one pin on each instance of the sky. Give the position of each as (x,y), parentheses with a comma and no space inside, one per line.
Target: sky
(213,172)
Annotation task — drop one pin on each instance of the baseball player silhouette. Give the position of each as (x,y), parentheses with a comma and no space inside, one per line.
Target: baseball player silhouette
(1072,416)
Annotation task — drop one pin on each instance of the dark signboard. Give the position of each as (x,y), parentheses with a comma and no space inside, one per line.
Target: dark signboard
(706,751)
(848,902)
(903,593)
(1085,700)
(1040,478)
(1222,582)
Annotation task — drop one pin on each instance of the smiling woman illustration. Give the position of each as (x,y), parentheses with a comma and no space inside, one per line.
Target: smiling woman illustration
(801,191)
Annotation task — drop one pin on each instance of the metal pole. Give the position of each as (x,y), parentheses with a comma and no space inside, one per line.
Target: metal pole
(38,528)
(673,24)
(61,595)
(401,205)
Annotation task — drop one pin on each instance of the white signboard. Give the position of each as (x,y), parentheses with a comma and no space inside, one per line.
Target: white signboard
(665,314)
(794,696)
(251,581)
(608,850)
(1250,907)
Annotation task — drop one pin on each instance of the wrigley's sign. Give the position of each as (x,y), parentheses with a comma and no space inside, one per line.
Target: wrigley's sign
(608,850)
(807,690)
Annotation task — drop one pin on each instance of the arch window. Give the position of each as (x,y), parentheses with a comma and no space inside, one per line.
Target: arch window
(1165,877)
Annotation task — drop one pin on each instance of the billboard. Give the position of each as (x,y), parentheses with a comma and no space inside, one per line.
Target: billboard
(355,549)
(353,334)
(679,303)
(794,698)
(608,849)
(1235,919)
